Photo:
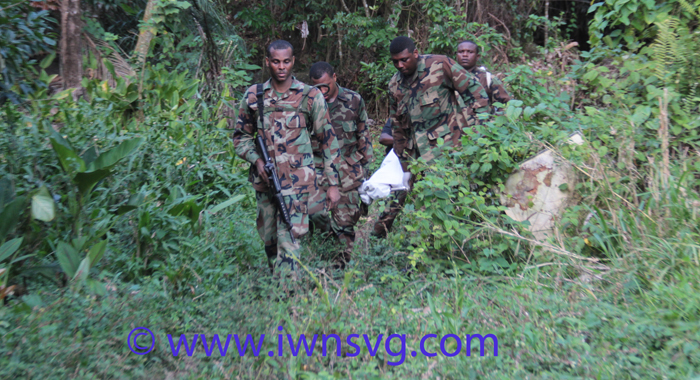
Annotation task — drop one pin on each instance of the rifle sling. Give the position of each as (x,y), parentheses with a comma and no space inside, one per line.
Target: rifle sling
(261,107)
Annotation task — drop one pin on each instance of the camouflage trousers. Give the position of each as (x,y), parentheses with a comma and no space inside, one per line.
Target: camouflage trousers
(273,231)
(342,219)
(318,213)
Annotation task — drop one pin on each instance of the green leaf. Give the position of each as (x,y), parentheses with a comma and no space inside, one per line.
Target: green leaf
(100,167)
(86,181)
(529,111)
(515,103)
(247,66)
(24,257)
(641,114)
(513,112)
(591,75)
(9,248)
(108,159)
(229,202)
(127,9)
(110,67)
(9,216)
(175,99)
(442,194)
(46,62)
(134,202)
(43,206)
(595,6)
(68,258)
(69,159)
(83,270)
(189,209)
(79,243)
(89,155)
(564,186)
(650,16)
(7,192)
(96,252)
(132,96)
(95,287)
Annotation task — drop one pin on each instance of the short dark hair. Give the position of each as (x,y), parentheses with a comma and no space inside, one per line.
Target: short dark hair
(400,44)
(279,45)
(319,68)
(478,49)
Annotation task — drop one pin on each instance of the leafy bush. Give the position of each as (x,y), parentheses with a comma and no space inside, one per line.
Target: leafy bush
(164,190)
(24,33)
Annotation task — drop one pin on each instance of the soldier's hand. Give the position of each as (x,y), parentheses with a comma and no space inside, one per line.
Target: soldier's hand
(260,165)
(333,196)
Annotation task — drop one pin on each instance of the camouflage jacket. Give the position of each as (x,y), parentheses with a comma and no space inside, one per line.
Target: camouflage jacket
(424,107)
(348,117)
(494,87)
(290,127)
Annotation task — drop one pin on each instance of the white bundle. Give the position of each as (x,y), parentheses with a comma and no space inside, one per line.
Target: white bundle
(390,177)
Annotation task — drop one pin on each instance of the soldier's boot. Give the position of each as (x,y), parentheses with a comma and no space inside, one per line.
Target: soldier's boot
(386,219)
(319,221)
(346,239)
(364,209)
(271,252)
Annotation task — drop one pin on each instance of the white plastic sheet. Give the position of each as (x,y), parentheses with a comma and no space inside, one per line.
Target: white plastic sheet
(390,177)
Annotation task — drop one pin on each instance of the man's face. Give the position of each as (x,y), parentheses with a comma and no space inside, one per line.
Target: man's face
(406,62)
(467,56)
(330,90)
(280,63)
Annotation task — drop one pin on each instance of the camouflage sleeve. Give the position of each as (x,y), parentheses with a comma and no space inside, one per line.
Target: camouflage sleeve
(324,133)
(474,95)
(498,90)
(399,133)
(364,144)
(393,120)
(244,131)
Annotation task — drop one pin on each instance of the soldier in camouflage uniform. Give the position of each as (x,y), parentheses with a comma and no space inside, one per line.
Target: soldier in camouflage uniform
(348,117)
(295,115)
(468,56)
(423,107)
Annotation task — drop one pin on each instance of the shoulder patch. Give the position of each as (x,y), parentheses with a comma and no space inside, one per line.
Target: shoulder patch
(313,91)
(350,93)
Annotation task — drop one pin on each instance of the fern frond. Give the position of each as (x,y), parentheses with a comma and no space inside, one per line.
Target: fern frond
(690,8)
(668,51)
(690,102)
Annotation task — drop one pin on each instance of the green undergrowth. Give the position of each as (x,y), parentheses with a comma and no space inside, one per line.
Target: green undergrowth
(547,326)
(127,207)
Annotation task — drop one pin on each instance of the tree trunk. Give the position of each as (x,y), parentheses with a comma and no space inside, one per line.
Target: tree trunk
(71,54)
(146,35)
(546,26)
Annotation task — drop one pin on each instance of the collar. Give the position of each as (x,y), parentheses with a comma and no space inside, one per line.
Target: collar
(296,85)
(343,94)
(420,68)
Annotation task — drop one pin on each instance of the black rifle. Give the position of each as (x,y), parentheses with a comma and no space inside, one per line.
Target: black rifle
(276,188)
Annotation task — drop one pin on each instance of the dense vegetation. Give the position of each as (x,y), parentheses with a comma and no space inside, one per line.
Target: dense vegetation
(123,205)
